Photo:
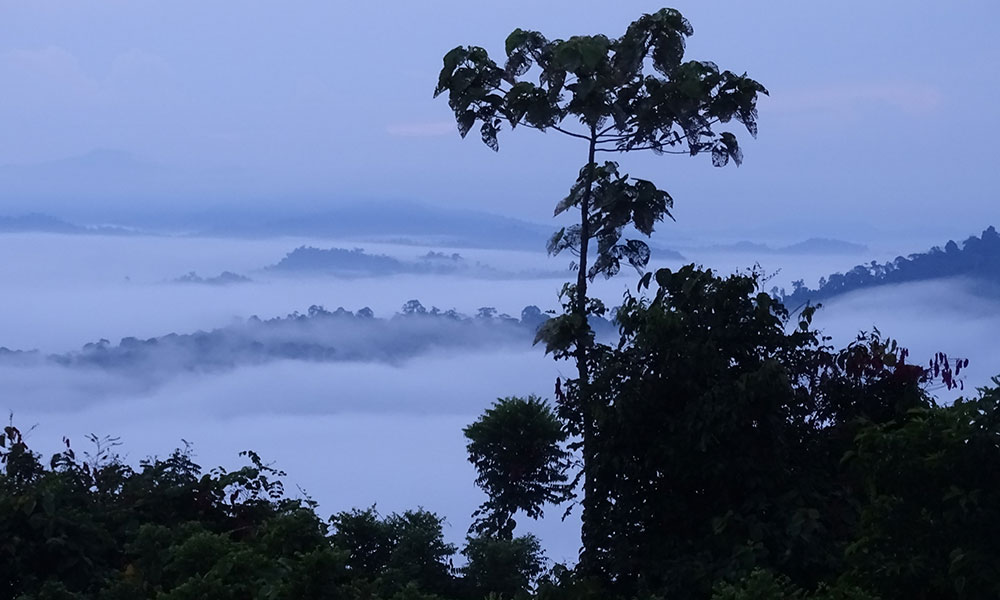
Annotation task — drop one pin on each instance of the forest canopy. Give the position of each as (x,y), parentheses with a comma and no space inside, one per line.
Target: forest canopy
(978,258)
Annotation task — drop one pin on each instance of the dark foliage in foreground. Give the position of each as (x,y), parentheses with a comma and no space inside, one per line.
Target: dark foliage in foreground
(737,454)
(93,527)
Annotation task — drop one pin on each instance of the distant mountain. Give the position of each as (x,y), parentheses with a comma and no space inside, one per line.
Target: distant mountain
(39,223)
(810,246)
(387,221)
(978,258)
(659,253)
(340,262)
(116,186)
(742,247)
(823,246)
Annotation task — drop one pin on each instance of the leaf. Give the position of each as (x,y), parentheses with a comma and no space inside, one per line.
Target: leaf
(454,57)
(663,277)
(466,121)
(720,157)
(553,245)
(558,333)
(565,204)
(637,253)
(451,60)
(726,148)
(489,135)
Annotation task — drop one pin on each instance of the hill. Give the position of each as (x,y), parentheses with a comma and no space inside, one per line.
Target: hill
(977,258)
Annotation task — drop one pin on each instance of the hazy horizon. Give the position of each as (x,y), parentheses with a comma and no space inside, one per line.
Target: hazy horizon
(160,109)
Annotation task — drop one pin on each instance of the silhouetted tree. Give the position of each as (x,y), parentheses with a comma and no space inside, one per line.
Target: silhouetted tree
(517,449)
(616,95)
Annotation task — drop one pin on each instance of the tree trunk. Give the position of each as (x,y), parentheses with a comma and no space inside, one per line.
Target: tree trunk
(591,511)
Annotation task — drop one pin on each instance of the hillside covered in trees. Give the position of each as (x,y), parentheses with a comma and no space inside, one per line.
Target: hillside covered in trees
(977,258)
(318,335)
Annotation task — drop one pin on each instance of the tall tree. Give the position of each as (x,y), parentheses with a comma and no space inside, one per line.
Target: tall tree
(616,95)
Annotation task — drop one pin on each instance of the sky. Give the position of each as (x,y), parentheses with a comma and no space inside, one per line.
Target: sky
(881,119)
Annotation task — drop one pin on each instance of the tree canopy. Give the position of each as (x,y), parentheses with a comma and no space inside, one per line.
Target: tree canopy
(632,93)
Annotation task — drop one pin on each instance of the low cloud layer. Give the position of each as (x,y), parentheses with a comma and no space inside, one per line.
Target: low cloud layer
(349,434)
(319,335)
(382,426)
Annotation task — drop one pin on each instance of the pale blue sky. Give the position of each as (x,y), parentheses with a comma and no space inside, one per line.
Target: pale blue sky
(883,115)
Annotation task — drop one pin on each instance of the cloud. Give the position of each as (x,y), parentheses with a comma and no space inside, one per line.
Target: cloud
(944,315)
(351,435)
(320,336)
(422,129)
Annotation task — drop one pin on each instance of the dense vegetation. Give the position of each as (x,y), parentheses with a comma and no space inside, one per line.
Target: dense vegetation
(978,258)
(93,527)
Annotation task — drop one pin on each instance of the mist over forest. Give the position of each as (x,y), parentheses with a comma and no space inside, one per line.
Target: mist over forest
(80,304)
(86,350)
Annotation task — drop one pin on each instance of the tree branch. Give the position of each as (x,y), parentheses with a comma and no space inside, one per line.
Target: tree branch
(559,129)
(570,133)
(674,142)
(642,148)
(605,130)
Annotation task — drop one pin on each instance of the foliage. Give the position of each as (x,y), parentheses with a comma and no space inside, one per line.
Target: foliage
(517,449)
(721,424)
(718,431)
(631,93)
(637,89)
(978,257)
(739,455)
(764,585)
(95,528)
(507,568)
(931,516)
